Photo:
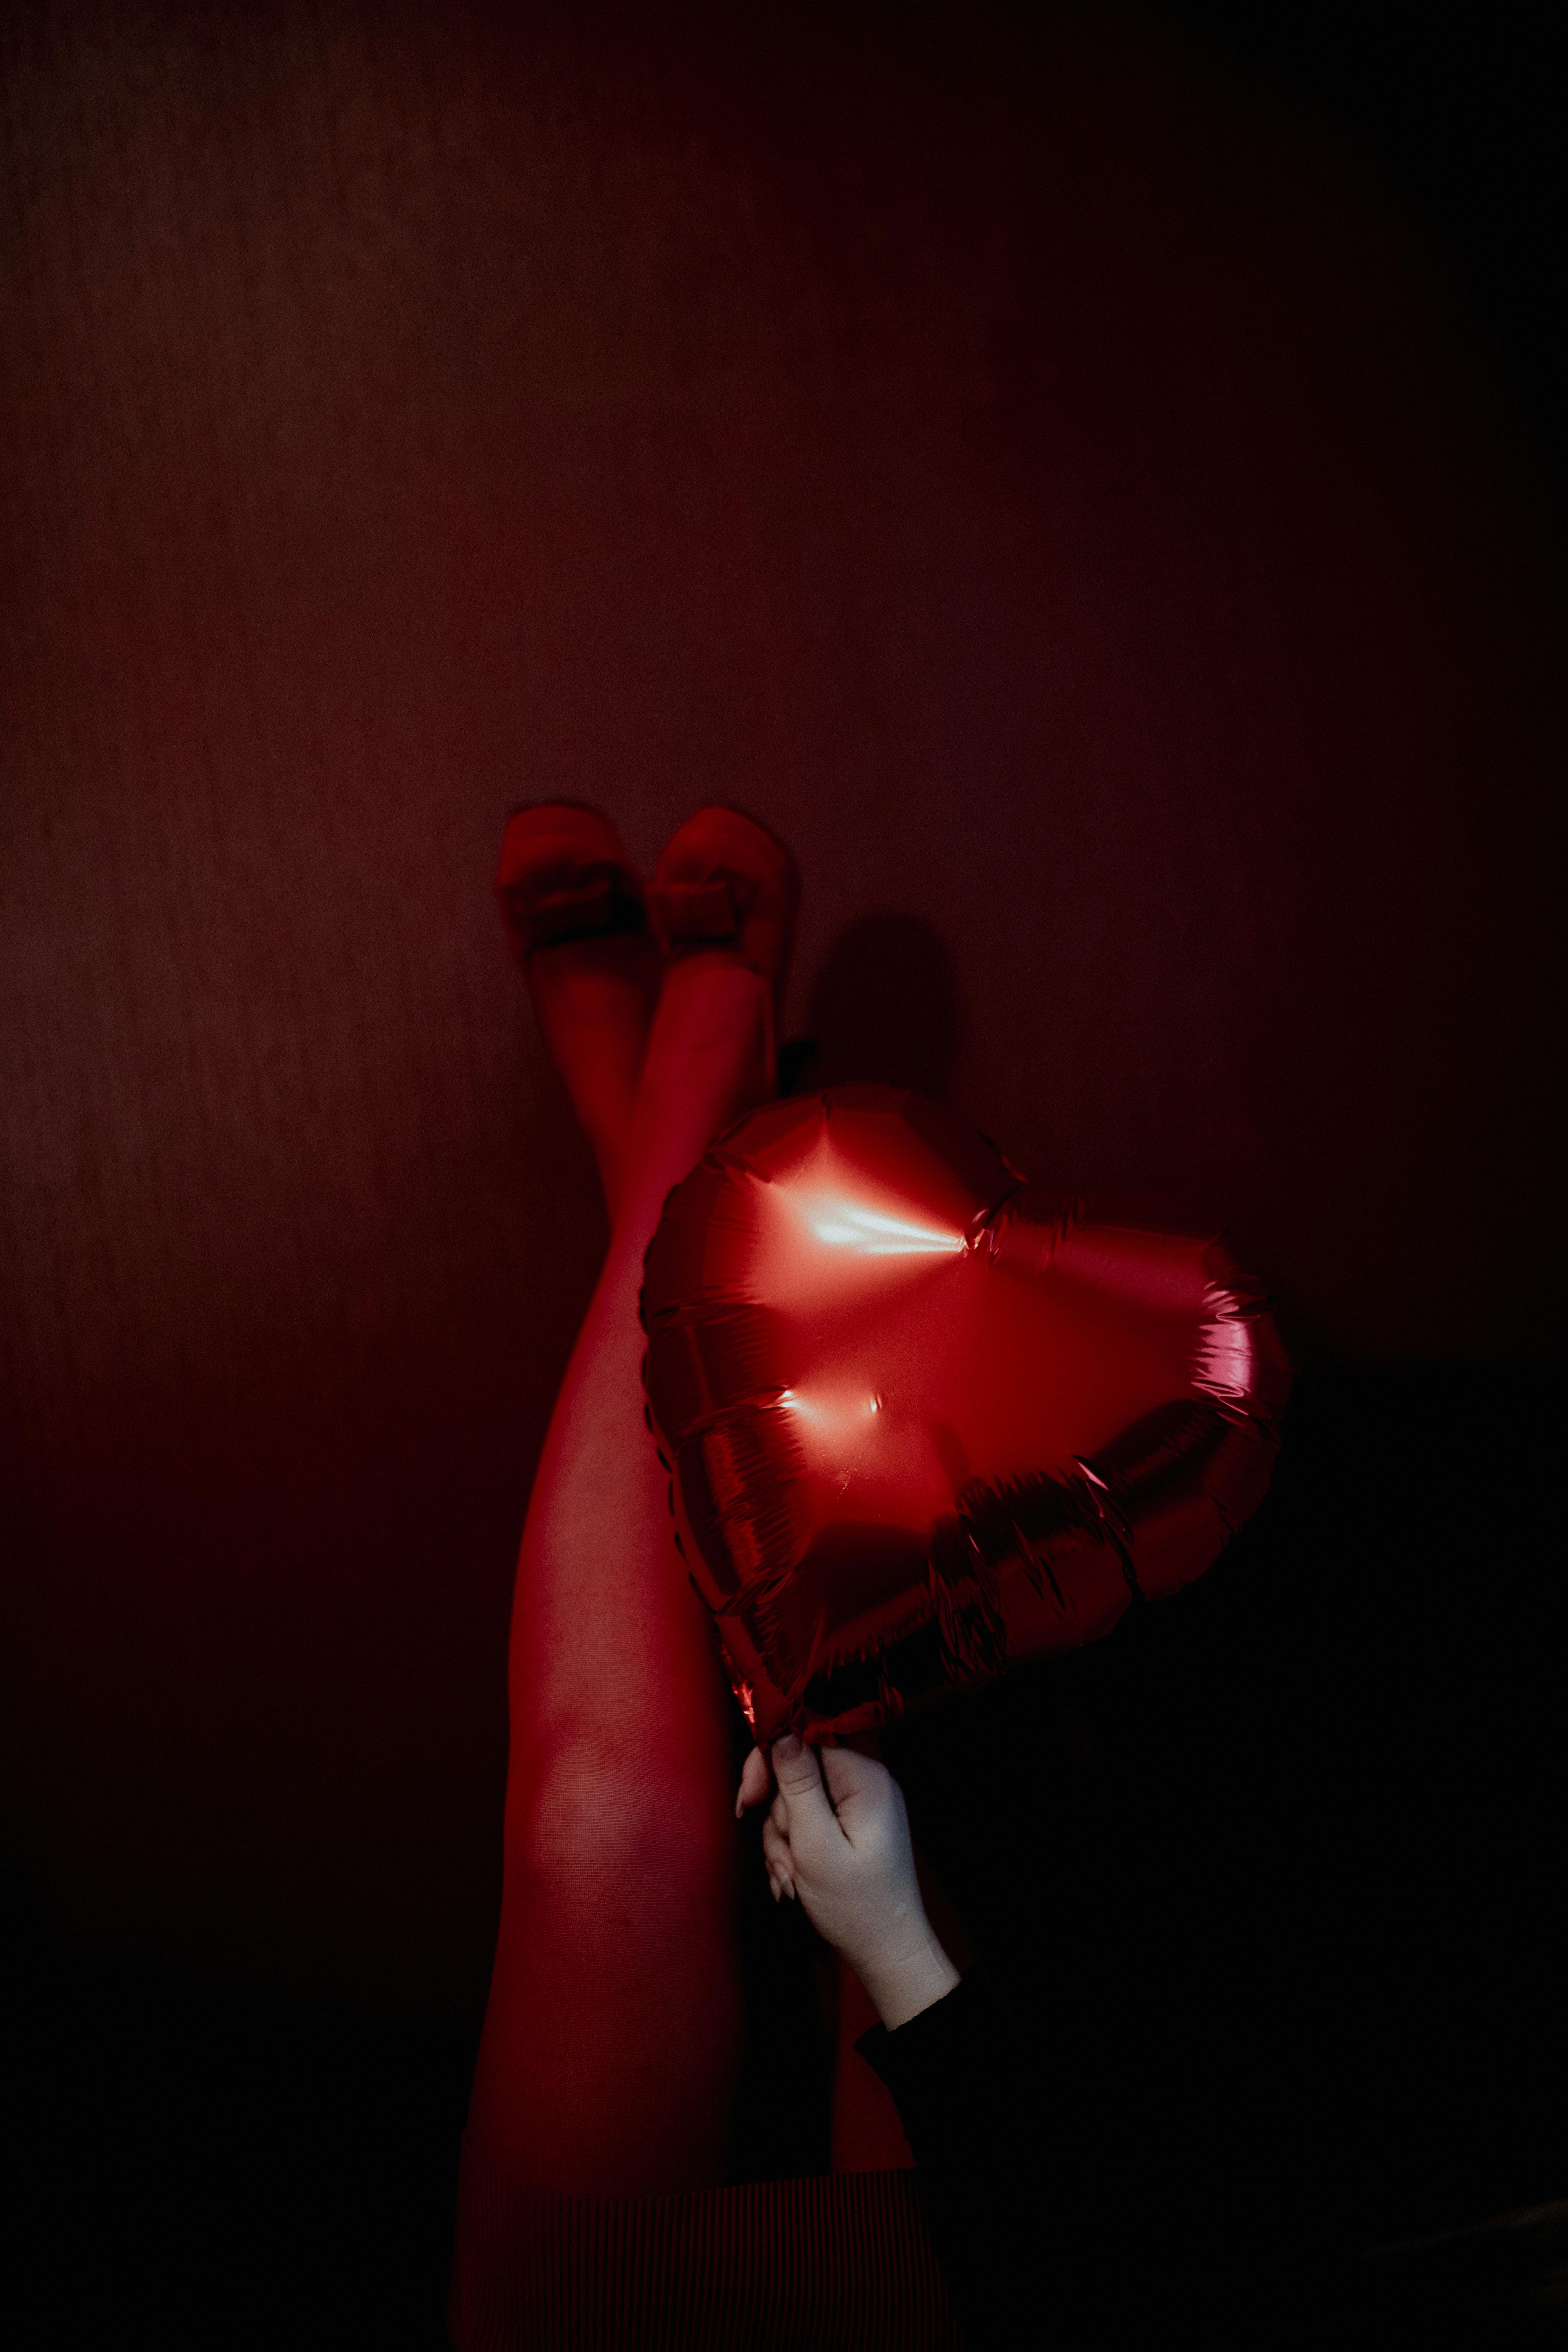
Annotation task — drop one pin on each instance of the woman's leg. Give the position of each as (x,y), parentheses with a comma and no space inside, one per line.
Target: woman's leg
(613,2036)
(594,1001)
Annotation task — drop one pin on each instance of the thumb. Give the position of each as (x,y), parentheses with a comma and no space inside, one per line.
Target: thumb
(799,1777)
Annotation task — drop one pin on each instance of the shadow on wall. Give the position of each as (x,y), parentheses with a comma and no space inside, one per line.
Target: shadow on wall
(884,1006)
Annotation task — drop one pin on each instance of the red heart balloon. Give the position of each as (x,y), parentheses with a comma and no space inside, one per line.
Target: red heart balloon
(923,1418)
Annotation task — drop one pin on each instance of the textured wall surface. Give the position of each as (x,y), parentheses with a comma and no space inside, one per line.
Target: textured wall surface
(1056,490)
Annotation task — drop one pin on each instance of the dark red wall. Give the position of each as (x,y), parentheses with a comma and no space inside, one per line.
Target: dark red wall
(1043,470)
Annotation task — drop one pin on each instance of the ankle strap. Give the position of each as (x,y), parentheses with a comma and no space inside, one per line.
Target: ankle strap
(597,907)
(708,913)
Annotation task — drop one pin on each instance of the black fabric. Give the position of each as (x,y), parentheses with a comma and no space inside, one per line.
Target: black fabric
(1059,2216)
(970,2107)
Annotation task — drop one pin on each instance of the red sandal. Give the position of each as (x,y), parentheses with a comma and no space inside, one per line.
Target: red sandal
(725,882)
(564,877)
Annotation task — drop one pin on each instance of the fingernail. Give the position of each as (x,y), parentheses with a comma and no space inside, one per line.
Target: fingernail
(740,1802)
(789,1888)
(788,1749)
(776,1888)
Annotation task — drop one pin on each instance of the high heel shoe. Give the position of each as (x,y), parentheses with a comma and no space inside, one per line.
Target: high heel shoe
(724,882)
(564,876)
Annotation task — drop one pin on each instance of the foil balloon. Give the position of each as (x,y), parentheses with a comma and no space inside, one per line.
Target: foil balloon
(922,1418)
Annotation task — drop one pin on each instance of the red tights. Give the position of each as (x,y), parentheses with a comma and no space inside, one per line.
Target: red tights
(613,2038)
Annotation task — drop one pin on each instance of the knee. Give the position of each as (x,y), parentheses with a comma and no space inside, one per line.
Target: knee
(583,1814)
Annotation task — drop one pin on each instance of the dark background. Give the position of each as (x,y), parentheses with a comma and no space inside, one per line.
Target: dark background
(1092,479)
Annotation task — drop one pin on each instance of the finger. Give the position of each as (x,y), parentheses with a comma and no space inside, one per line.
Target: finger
(776,1849)
(799,1778)
(755,1783)
(849,1775)
(779,1860)
(781,1878)
(778,1814)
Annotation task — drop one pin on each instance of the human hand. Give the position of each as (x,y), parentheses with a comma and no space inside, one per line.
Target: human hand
(838,1836)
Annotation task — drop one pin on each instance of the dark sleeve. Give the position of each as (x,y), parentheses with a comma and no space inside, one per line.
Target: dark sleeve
(968,2102)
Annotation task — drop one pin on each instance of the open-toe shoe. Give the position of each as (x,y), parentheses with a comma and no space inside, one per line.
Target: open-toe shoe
(564,876)
(725,883)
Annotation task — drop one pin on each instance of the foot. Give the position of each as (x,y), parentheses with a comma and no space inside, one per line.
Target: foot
(723,904)
(577,919)
(726,886)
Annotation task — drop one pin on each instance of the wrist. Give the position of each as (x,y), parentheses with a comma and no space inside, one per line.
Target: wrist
(901,1988)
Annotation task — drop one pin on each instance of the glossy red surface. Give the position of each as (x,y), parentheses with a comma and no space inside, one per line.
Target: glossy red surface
(923,1418)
